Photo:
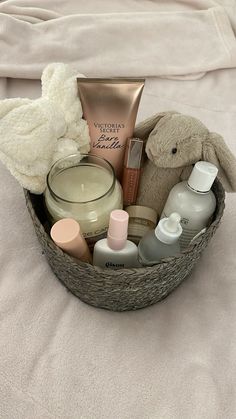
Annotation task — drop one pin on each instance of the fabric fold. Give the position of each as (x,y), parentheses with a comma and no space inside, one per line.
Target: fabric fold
(167,44)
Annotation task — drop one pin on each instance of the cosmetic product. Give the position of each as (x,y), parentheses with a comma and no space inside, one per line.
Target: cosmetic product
(67,235)
(110,107)
(116,251)
(193,200)
(83,188)
(162,242)
(132,170)
(141,220)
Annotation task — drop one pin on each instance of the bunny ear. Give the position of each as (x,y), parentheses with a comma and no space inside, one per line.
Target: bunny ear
(59,85)
(144,128)
(56,79)
(216,151)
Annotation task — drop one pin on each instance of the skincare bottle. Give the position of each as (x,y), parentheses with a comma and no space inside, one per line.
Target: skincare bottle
(193,200)
(132,170)
(66,234)
(162,242)
(116,251)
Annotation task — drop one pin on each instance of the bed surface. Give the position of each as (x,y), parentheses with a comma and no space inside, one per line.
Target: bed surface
(60,358)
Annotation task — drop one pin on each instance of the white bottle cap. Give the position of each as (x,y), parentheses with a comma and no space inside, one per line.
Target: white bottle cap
(168,230)
(202,176)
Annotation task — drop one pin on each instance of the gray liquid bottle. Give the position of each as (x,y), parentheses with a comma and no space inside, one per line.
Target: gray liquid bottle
(162,242)
(194,201)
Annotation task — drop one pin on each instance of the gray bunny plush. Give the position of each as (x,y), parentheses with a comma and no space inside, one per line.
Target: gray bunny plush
(174,142)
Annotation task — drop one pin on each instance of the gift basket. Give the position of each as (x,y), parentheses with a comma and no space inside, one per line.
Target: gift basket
(123,289)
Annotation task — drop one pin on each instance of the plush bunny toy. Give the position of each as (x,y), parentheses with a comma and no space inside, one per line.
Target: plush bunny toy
(174,142)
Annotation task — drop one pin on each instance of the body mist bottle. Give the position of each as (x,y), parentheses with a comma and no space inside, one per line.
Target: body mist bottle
(116,251)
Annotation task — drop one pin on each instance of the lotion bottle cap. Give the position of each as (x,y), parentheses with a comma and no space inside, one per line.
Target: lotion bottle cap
(67,235)
(202,176)
(168,230)
(117,230)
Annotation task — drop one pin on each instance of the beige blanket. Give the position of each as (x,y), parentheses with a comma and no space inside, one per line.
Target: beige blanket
(60,358)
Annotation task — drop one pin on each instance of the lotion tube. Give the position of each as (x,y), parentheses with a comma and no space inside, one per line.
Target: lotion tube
(110,107)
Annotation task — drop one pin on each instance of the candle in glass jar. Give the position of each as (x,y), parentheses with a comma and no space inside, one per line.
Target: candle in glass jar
(87,192)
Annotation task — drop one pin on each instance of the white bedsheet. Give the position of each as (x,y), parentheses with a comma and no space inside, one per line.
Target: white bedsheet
(60,358)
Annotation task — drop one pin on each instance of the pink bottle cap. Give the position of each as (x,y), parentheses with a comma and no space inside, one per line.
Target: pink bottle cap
(66,234)
(117,231)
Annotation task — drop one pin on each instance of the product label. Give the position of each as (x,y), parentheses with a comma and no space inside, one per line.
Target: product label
(188,232)
(187,236)
(114,265)
(105,141)
(138,227)
(93,236)
(141,221)
(107,128)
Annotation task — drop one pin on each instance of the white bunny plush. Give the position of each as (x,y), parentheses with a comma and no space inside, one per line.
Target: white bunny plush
(36,133)
(174,142)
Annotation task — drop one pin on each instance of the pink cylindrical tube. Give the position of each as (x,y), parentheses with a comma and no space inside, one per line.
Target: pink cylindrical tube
(110,107)
(66,234)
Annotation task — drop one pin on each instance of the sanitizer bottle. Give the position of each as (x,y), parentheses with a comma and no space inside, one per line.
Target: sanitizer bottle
(161,242)
(116,252)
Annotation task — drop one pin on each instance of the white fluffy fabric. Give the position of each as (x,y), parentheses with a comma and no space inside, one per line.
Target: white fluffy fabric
(36,133)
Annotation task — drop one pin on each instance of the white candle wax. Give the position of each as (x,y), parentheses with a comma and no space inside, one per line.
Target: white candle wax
(86,187)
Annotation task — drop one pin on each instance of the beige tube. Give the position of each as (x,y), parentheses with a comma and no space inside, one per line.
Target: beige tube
(110,107)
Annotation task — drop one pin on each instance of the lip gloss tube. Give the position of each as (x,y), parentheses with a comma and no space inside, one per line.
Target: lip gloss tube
(132,170)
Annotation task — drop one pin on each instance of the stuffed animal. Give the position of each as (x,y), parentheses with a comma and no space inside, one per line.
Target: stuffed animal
(34,133)
(174,142)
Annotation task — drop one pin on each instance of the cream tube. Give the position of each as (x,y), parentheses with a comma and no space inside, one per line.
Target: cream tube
(110,107)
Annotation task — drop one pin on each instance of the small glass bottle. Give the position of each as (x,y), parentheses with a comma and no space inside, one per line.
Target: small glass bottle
(193,200)
(116,251)
(162,242)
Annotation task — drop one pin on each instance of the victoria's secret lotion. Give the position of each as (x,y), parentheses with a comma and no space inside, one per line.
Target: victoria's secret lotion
(110,107)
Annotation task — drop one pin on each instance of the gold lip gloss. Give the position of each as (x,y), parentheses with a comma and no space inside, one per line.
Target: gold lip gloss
(132,170)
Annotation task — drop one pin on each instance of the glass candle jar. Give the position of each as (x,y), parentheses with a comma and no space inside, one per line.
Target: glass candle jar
(83,187)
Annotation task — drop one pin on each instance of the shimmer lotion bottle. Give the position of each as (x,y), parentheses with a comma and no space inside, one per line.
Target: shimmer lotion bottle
(193,200)
(162,242)
(116,251)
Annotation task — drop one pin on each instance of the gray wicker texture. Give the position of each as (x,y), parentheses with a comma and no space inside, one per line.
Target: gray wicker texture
(124,289)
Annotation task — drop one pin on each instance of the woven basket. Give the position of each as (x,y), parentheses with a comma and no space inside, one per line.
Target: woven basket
(123,289)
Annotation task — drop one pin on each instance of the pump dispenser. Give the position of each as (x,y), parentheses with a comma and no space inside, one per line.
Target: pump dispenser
(162,242)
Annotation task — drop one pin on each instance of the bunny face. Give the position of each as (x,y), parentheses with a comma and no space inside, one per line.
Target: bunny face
(176,141)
